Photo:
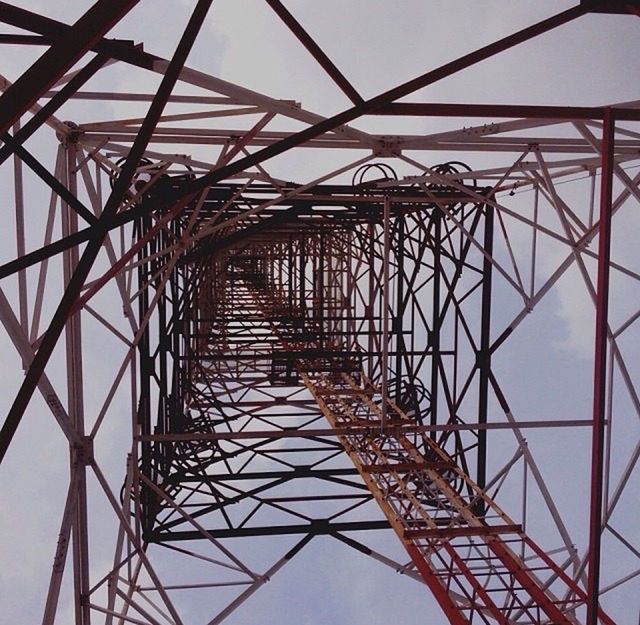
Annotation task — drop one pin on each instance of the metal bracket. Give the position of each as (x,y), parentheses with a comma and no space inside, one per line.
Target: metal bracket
(84,451)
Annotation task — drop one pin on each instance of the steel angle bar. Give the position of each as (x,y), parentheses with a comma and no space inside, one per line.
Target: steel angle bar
(400,91)
(199,528)
(23,295)
(147,97)
(311,432)
(535,470)
(316,527)
(45,112)
(466,133)
(122,618)
(48,178)
(60,557)
(24,40)
(128,124)
(219,618)
(622,580)
(93,248)
(554,114)
(315,50)
(624,541)
(612,6)
(124,524)
(622,483)
(61,56)
(600,366)
(22,344)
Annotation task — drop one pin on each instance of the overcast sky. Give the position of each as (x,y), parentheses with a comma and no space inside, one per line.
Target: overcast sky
(377,45)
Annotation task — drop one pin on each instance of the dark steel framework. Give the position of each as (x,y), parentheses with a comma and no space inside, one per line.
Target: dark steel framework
(322,256)
(315,358)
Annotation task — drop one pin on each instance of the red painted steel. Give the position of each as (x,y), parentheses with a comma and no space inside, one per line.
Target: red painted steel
(121,185)
(439,546)
(429,78)
(467,560)
(600,368)
(437,588)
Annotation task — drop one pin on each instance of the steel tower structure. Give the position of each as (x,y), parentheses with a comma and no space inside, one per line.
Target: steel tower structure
(255,361)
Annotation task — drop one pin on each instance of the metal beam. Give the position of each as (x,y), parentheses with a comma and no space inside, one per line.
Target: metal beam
(600,370)
(60,57)
(369,106)
(316,51)
(317,527)
(93,248)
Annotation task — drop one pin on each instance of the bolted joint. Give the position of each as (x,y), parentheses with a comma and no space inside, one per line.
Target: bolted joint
(61,553)
(388,147)
(83,451)
(70,134)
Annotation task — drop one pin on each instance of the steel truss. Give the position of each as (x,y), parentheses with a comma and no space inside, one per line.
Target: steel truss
(326,357)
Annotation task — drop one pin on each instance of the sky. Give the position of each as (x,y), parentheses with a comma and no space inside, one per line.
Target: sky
(546,364)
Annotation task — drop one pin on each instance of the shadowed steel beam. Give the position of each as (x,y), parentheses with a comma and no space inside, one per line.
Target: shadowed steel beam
(24,40)
(53,30)
(387,97)
(49,179)
(340,431)
(318,527)
(612,6)
(93,248)
(62,55)
(434,109)
(53,105)
(600,370)
(123,50)
(81,236)
(316,51)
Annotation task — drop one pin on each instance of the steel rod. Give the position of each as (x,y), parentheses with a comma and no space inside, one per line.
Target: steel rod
(600,370)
